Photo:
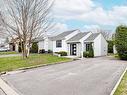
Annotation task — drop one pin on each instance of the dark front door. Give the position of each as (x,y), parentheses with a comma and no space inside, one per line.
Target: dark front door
(73,49)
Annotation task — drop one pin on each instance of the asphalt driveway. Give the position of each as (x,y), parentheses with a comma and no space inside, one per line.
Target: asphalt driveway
(95,76)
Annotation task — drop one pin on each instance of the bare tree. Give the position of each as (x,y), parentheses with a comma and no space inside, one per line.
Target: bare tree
(106,33)
(2,34)
(27,20)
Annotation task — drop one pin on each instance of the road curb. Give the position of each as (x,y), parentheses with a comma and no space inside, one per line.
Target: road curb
(118,82)
(6,88)
(32,67)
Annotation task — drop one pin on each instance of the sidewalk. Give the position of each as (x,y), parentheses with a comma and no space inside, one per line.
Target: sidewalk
(9,55)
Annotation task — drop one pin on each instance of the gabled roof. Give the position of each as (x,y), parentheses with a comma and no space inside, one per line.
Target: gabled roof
(62,35)
(92,37)
(77,37)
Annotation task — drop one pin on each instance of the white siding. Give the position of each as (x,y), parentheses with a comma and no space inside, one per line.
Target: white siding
(79,49)
(41,45)
(50,45)
(64,43)
(63,48)
(46,44)
(100,46)
(104,46)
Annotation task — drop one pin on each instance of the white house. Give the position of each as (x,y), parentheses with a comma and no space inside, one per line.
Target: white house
(75,43)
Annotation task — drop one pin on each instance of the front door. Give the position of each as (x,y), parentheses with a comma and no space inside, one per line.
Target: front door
(73,49)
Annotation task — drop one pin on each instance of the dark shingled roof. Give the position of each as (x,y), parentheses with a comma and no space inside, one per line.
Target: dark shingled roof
(92,37)
(77,37)
(62,35)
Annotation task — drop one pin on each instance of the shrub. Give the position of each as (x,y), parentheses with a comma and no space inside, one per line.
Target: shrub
(34,48)
(89,53)
(50,51)
(110,46)
(121,41)
(42,51)
(63,53)
(85,54)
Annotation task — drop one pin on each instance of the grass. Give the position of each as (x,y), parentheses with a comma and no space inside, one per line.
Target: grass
(122,88)
(8,52)
(13,63)
(116,55)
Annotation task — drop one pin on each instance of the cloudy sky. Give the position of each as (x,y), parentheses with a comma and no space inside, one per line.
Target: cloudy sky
(90,14)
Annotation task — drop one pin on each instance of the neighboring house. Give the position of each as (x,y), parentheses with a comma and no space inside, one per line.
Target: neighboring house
(44,43)
(13,45)
(75,43)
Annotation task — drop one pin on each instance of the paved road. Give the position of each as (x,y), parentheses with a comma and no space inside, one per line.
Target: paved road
(95,76)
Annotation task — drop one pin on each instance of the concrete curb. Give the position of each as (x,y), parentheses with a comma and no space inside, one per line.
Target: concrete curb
(32,67)
(118,82)
(6,88)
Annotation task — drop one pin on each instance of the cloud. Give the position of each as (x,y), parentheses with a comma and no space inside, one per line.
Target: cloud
(71,8)
(87,11)
(91,28)
(58,28)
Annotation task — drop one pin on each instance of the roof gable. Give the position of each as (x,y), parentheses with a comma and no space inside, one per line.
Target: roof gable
(92,37)
(77,37)
(62,35)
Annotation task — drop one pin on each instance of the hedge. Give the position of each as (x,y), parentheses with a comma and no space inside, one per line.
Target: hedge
(121,41)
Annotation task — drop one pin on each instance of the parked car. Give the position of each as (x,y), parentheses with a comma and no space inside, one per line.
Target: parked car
(3,49)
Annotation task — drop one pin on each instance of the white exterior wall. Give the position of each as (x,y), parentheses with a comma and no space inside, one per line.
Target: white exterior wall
(46,44)
(100,46)
(64,43)
(50,45)
(79,49)
(41,45)
(63,48)
(104,46)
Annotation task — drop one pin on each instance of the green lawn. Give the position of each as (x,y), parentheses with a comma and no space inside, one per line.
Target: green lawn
(8,52)
(13,63)
(122,88)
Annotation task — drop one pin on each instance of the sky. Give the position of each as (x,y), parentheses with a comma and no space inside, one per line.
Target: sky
(89,14)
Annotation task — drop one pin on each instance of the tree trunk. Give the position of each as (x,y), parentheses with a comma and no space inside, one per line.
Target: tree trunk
(24,51)
(28,50)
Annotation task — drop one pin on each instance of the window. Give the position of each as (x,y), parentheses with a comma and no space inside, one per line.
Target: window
(59,43)
(88,47)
